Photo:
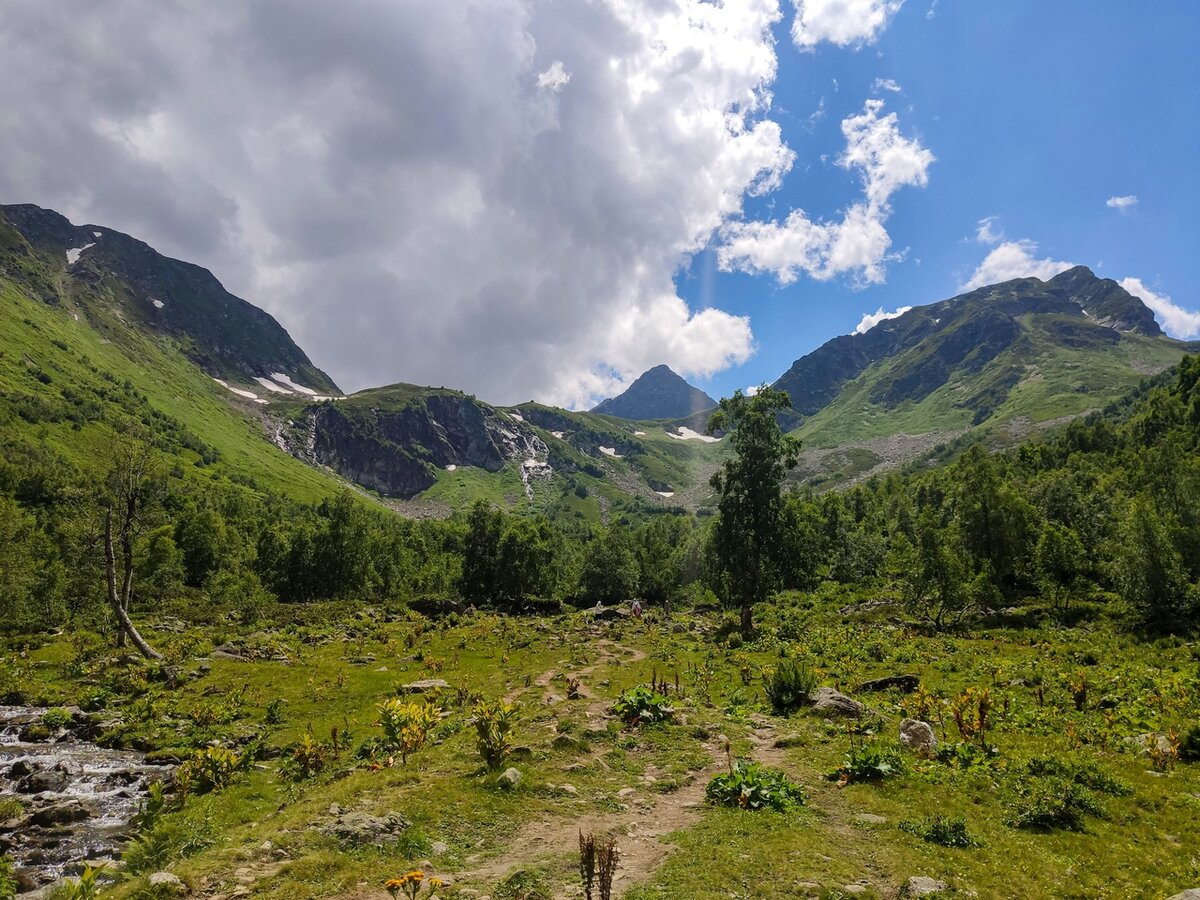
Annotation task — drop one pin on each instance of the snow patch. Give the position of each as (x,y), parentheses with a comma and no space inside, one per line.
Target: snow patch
(283,379)
(517,416)
(158,304)
(249,395)
(610,451)
(558,434)
(687,434)
(639,434)
(73,255)
(667,494)
(451,467)
(272,386)
(97,234)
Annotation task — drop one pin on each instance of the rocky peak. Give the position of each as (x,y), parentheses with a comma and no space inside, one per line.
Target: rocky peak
(658,393)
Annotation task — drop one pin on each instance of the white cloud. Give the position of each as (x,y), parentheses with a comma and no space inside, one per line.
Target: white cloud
(859,243)
(886,84)
(1127,202)
(841,22)
(417,200)
(870,320)
(1014,259)
(1175,320)
(554,78)
(987,233)
(752,390)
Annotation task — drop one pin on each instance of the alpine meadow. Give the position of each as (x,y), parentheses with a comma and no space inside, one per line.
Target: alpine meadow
(588,548)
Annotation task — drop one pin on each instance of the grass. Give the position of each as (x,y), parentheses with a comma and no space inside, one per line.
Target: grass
(338,669)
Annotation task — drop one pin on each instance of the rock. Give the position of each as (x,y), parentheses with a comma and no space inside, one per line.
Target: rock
(425,686)
(855,889)
(168,882)
(62,814)
(829,702)
(917,736)
(1189,894)
(568,789)
(439,848)
(1143,741)
(360,829)
(567,743)
(20,769)
(870,819)
(923,886)
(44,782)
(509,778)
(905,683)
(626,792)
(609,613)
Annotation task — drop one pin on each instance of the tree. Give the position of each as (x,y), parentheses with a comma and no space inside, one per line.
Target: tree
(1060,559)
(528,559)
(747,540)
(610,568)
(1150,574)
(934,573)
(481,553)
(133,486)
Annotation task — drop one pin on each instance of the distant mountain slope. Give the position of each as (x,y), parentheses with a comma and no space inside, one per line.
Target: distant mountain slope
(1024,349)
(657,394)
(225,335)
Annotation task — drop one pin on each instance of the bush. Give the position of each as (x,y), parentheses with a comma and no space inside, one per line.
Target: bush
(788,685)
(1189,746)
(643,706)
(1050,803)
(407,726)
(1081,772)
(8,881)
(942,830)
(171,838)
(57,718)
(307,759)
(868,762)
(494,721)
(10,808)
(750,785)
(210,769)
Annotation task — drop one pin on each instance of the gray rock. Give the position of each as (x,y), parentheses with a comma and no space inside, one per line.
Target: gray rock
(923,886)
(360,829)
(439,847)
(509,778)
(1189,894)
(168,882)
(917,736)
(870,819)
(425,686)
(62,814)
(829,702)
(905,683)
(44,782)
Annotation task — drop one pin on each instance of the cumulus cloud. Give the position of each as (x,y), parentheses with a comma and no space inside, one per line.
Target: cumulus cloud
(1014,259)
(987,233)
(1126,202)
(841,22)
(555,78)
(870,320)
(1175,320)
(859,243)
(886,84)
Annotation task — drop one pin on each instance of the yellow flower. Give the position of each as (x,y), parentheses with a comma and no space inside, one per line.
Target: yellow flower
(416,875)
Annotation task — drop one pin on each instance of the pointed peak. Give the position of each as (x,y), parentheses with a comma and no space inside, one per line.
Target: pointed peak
(658,393)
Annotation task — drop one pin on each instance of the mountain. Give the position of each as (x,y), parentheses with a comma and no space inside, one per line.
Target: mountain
(226,336)
(1025,351)
(657,394)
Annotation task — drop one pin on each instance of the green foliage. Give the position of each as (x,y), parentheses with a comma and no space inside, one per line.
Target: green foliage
(494,722)
(10,808)
(946,831)
(407,725)
(642,705)
(750,785)
(8,881)
(610,569)
(747,541)
(869,761)
(86,886)
(1150,572)
(1048,804)
(172,837)
(1084,773)
(1189,745)
(210,769)
(57,718)
(788,685)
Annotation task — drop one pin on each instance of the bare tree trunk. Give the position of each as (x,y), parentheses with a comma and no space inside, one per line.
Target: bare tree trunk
(118,603)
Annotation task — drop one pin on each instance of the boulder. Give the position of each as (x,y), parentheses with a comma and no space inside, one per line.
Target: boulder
(62,814)
(905,683)
(509,778)
(51,782)
(923,886)
(425,686)
(1189,894)
(869,819)
(829,702)
(358,829)
(917,736)
(168,883)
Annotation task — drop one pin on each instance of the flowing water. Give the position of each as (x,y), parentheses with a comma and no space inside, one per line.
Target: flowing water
(78,798)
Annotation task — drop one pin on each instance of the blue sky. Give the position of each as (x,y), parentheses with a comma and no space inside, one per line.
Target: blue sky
(1037,114)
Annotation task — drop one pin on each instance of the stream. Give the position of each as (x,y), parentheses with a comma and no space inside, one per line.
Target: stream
(78,798)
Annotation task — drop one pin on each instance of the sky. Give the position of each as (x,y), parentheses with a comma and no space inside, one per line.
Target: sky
(540,199)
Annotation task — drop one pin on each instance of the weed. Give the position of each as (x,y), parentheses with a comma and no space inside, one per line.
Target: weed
(1082,772)
(971,710)
(410,884)
(788,685)
(86,886)
(1048,804)
(873,761)
(57,718)
(209,769)
(943,830)
(308,758)
(597,864)
(751,785)
(527,884)
(1189,745)
(171,838)
(643,706)
(8,882)
(10,808)
(407,726)
(494,721)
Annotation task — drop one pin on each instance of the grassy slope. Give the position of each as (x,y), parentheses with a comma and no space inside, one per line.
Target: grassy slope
(335,675)
(1058,381)
(77,346)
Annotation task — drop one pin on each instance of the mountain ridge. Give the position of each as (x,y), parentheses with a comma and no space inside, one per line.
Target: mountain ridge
(658,393)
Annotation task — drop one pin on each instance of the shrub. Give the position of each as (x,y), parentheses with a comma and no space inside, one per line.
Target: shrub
(868,762)
(86,886)
(1081,772)
(750,785)
(210,769)
(967,756)
(643,706)
(8,881)
(307,759)
(942,830)
(171,838)
(57,718)
(406,726)
(10,808)
(1189,745)
(1050,803)
(494,721)
(788,685)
